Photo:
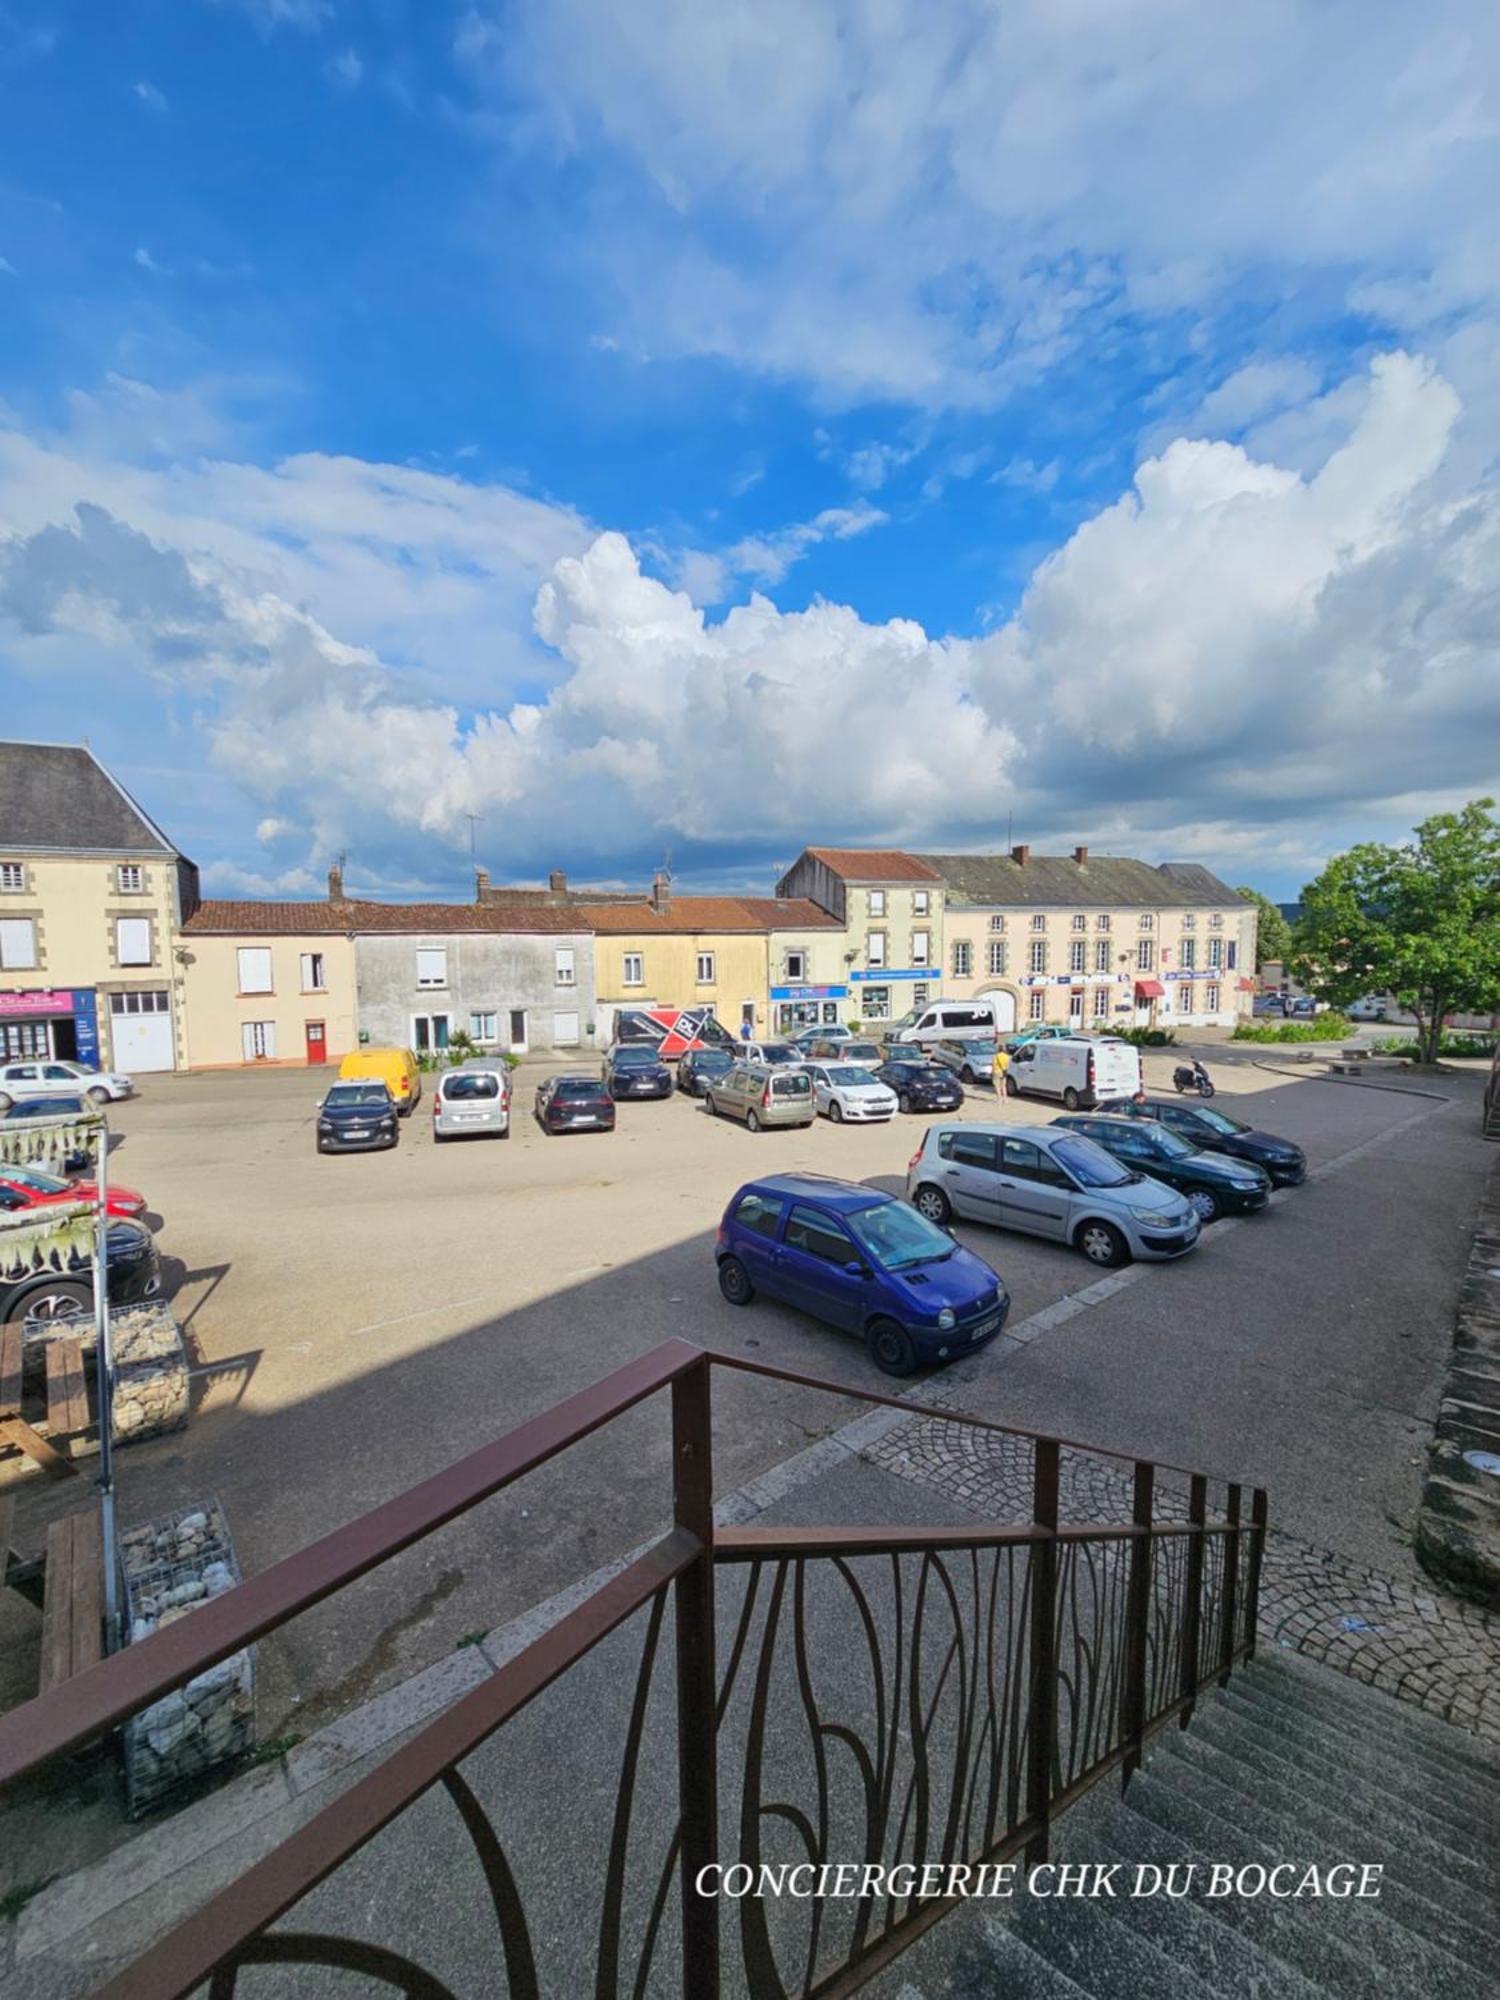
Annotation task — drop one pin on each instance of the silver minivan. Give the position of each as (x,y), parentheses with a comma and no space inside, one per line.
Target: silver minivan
(472,1101)
(1048,1181)
(762,1095)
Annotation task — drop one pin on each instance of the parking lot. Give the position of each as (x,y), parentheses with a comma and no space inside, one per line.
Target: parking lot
(360,1321)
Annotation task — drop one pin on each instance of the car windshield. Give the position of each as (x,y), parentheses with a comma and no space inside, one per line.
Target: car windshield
(780,1052)
(860,1052)
(481,1084)
(897,1237)
(1171,1144)
(358,1097)
(576,1086)
(1219,1121)
(713,1059)
(849,1073)
(796,1083)
(907,1021)
(47,1107)
(1090,1165)
(635,1058)
(28,1177)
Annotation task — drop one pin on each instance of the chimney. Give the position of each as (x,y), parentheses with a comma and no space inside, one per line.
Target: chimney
(660,885)
(481,884)
(1020,855)
(336,884)
(1081,856)
(557,882)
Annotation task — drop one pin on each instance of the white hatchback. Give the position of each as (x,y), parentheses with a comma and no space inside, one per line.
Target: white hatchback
(849,1091)
(49,1078)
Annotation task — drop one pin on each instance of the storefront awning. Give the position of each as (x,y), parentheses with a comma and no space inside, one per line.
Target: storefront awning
(1149,989)
(1246,985)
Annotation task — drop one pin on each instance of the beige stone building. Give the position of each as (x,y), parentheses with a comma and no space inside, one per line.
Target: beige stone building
(269,983)
(92,899)
(890,909)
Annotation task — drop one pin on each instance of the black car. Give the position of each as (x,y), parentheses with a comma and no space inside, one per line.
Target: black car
(27,1109)
(921,1086)
(52,1298)
(699,1067)
(357,1117)
(574,1104)
(1213,1131)
(1213,1184)
(631,1069)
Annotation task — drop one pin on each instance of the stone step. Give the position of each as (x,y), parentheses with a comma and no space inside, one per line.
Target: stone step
(1382,1758)
(1103,1957)
(1306,1830)
(1398,1960)
(1302,1683)
(1000,1963)
(1269,1762)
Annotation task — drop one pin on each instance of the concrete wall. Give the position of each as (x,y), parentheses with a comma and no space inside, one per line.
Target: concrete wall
(497,973)
(217,1010)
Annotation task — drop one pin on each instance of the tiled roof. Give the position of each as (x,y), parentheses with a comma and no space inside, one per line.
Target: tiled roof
(1104,881)
(59,797)
(874,864)
(327,919)
(682,913)
(790,913)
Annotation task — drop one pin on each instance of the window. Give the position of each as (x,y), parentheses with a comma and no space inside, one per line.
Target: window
(563,961)
(1101,954)
(1216,922)
(877,902)
(140,1003)
(429,1033)
(921,902)
(1039,923)
(1028,1162)
(13,877)
(919,996)
(1189,953)
(997,958)
(816,1236)
(1080,923)
(969,1149)
(1101,1004)
(1148,922)
(921,947)
(432,965)
(997,923)
(258,1041)
(132,940)
(963,959)
(312,972)
(1037,1007)
(877,1003)
(796,967)
(17,944)
(760,1215)
(1190,923)
(875,947)
(255,968)
(1211,997)
(1039,955)
(1145,955)
(1077,955)
(634,973)
(1215,953)
(707,972)
(130,878)
(1102,922)
(483,1027)
(1232,955)
(1075,1004)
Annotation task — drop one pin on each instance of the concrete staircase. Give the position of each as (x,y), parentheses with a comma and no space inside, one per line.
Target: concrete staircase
(1290,1763)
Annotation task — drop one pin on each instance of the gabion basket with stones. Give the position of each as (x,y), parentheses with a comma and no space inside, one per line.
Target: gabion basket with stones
(171,1566)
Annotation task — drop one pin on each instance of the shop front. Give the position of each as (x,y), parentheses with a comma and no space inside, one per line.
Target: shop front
(797,1007)
(50,1023)
(888,993)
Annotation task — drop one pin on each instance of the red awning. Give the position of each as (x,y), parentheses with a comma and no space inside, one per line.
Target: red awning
(1247,985)
(1149,989)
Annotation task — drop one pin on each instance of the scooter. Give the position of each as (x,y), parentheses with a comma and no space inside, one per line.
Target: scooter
(1193,1078)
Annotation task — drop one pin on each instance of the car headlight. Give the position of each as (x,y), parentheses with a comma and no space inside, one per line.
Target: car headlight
(1161,1218)
(947,1318)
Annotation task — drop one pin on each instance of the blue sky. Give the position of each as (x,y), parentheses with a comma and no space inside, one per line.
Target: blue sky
(714,429)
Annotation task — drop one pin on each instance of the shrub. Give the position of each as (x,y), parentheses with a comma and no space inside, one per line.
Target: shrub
(1145,1038)
(1451,1044)
(1322,1028)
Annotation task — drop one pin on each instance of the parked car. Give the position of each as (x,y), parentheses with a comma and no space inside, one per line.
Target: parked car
(631,1070)
(1214,1184)
(30,1187)
(472,1101)
(1052,1183)
(57,1298)
(395,1068)
(1269,1003)
(1081,1070)
(53,1107)
(775,1054)
(762,1094)
(1370,1007)
(831,1031)
(1214,1131)
(573,1103)
(850,1091)
(947,1020)
(697,1069)
(861,1261)
(22,1080)
(1039,1031)
(971,1061)
(920,1085)
(357,1117)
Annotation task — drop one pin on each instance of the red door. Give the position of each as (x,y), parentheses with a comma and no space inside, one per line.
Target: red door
(317,1043)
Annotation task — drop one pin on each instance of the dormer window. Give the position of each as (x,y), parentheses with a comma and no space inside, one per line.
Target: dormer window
(130,878)
(997,923)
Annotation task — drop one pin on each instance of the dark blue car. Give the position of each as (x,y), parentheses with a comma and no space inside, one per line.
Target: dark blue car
(863,1261)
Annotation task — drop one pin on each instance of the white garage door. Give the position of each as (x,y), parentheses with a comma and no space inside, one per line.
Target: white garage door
(141,1032)
(1004,1005)
(565,1031)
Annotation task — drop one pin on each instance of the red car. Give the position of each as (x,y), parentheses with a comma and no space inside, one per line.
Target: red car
(28,1187)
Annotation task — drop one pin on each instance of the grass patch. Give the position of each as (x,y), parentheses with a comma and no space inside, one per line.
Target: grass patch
(15,1900)
(276,1746)
(1323,1028)
(468,1639)
(1449,1045)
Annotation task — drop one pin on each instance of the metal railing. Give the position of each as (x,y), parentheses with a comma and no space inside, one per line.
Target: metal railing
(933,1695)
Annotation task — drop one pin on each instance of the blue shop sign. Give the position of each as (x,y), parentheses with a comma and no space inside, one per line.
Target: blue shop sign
(86,1026)
(884,975)
(809,993)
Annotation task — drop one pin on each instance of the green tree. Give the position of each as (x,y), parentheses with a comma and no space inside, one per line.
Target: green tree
(1421,922)
(1273,934)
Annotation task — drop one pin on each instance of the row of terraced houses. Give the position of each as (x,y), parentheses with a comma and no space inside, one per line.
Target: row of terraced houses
(108,952)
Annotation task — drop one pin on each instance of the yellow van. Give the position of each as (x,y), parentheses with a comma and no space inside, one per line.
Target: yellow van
(395,1068)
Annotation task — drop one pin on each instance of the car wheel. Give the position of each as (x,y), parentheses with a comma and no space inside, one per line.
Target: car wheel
(734,1282)
(892,1347)
(5,1102)
(1070,1099)
(1207,1204)
(752,1121)
(1012,1088)
(933,1203)
(98,1096)
(903,1100)
(61,1304)
(708,1104)
(835,1111)
(1102,1244)
(966,1075)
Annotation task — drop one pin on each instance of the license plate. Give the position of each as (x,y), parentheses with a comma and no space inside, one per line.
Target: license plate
(356,1131)
(985,1326)
(586,1118)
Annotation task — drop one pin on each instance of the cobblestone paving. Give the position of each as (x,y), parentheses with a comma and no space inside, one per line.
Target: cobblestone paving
(1437,1651)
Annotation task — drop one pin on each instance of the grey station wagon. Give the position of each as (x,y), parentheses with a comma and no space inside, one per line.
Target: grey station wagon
(762,1095)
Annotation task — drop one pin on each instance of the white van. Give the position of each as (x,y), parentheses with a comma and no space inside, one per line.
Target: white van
(952,1021)
(1077,1069)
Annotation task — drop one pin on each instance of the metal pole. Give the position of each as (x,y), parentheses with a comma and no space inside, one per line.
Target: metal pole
(697,1679)
(1042,1700)
(1231,1582)
(105,1369)
(1137,1620)
(1192,1601)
